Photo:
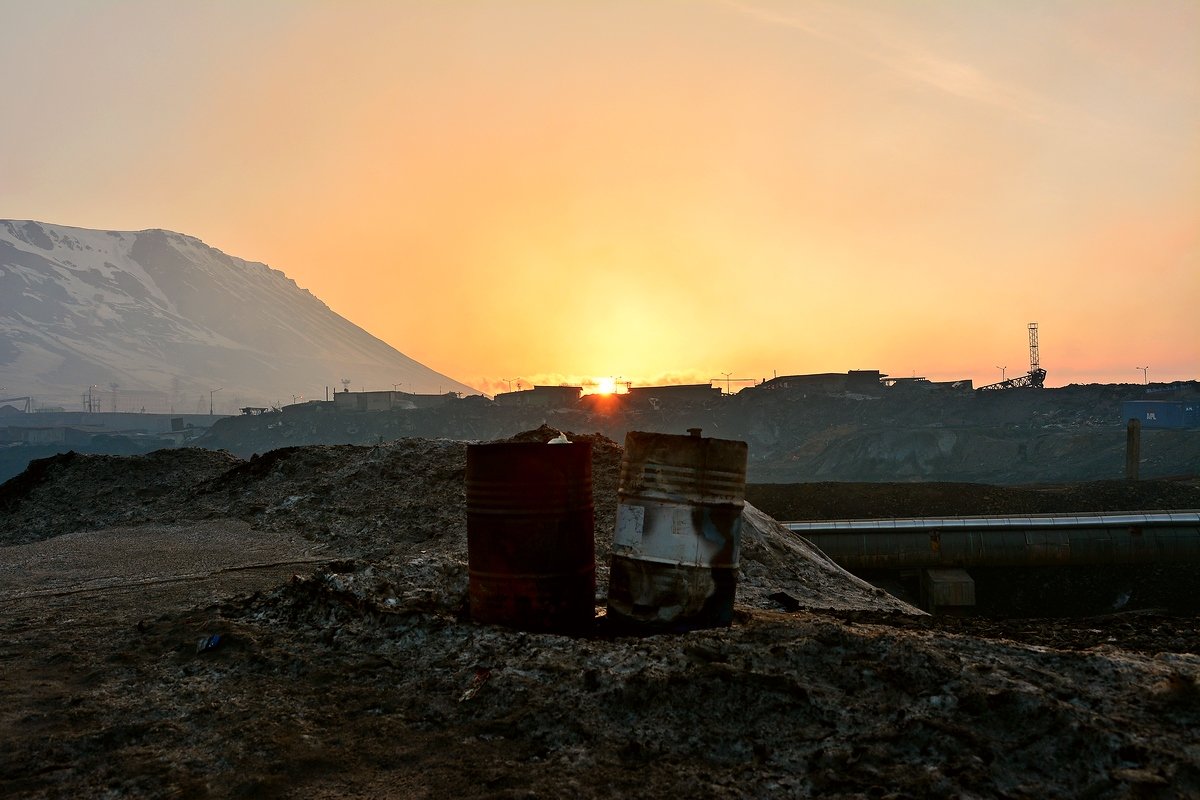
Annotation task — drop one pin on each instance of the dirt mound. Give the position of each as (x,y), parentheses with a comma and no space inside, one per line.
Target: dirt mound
(400,506)
(782,570)
(72,492)
(367,501)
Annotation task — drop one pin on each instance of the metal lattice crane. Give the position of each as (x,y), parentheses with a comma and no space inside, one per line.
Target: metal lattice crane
(1037,375)
(1035,378)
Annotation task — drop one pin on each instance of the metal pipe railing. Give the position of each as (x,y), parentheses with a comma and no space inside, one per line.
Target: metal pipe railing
(1061,539)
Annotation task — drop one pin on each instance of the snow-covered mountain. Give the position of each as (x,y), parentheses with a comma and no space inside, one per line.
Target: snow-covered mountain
(168,319)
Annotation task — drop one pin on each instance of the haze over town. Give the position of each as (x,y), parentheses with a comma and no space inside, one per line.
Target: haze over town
(651,192)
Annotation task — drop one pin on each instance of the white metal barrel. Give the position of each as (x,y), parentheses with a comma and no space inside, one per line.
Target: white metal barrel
(678,531)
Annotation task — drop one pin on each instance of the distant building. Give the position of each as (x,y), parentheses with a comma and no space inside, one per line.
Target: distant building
(858,381)
(679,393)
(411,400)
(864,381)
(818,382)
(388,400)
(364,401)
(541,397)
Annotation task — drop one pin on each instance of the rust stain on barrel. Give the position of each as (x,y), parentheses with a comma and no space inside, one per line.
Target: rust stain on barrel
(530,535)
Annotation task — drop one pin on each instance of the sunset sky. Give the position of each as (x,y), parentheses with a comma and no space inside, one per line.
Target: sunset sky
(664,191)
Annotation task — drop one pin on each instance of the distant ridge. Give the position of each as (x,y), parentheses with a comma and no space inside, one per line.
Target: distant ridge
(169,319)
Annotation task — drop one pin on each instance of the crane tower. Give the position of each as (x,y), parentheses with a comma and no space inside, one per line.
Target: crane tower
(1037,375)
(1034,366)
(1035,378)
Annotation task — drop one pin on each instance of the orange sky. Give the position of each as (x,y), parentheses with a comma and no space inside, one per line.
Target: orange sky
(663,191)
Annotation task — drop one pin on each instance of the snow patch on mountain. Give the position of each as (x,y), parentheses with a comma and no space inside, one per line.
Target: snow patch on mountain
(160,312)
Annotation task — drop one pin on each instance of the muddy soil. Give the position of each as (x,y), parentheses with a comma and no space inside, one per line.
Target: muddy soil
(362,674)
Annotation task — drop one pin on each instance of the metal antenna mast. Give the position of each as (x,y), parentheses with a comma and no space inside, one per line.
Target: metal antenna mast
(1034,359)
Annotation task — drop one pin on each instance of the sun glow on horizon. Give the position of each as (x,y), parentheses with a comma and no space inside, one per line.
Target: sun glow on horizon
(603,385)
(651,189)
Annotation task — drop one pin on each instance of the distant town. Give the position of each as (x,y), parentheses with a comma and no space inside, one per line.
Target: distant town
(855,425)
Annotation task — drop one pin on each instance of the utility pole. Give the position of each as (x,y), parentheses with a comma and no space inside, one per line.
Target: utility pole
(1133,448)
(210,399)
(1145,374)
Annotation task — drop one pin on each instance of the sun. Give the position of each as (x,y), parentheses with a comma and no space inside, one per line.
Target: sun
(605,385)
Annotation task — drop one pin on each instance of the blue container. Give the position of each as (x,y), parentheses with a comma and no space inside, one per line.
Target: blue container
(1162,413)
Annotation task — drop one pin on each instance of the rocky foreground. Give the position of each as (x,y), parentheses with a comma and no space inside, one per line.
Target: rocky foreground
(347,666)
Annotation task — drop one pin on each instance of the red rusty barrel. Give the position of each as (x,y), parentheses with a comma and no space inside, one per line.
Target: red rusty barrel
(678,533)
(530,535)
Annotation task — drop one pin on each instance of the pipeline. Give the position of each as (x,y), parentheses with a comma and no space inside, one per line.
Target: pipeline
(1065,539)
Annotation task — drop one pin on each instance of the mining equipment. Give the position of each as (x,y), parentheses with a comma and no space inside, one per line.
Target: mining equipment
(1034,379)
(27,400)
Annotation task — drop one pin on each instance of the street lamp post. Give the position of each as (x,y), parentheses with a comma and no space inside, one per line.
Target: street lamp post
(727,384)
(1145,374)
(1003,373)
(210,399)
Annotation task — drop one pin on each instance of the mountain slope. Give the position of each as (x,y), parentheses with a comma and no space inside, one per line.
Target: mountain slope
(163,315)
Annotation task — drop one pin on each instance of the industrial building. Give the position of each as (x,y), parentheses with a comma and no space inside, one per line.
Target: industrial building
(388,401)
(857,381)
(541,397)
(679,393)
